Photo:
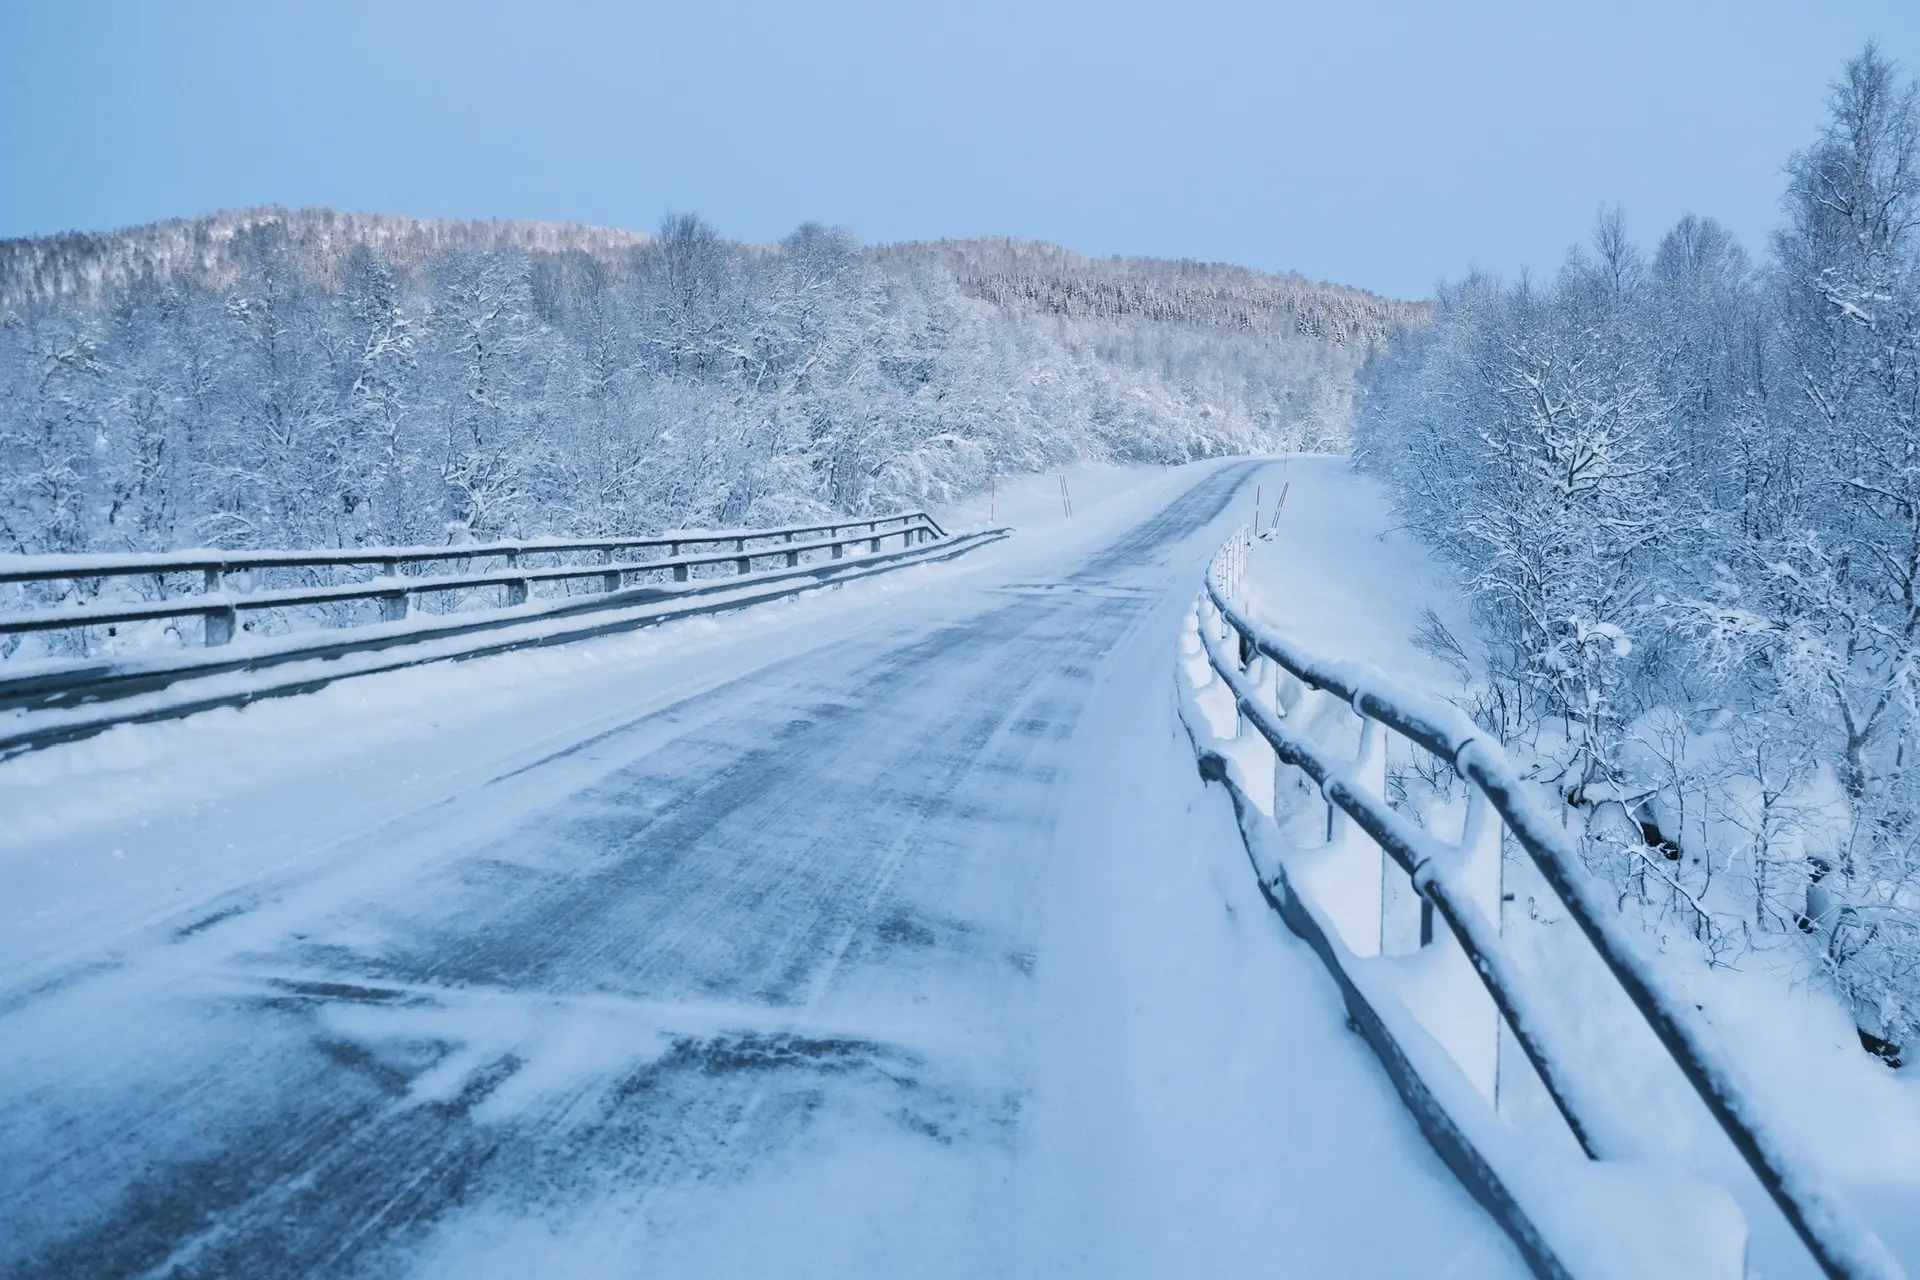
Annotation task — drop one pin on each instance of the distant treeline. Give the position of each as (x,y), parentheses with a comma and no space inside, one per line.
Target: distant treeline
(312,377)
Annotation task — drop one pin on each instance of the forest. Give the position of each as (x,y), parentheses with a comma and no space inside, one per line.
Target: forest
(1683,491)
(314,378)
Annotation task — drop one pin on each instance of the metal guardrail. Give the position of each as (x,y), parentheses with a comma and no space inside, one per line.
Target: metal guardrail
(1236,646)
(220,608)
(43,705)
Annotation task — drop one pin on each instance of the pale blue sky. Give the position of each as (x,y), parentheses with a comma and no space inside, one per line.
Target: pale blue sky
(1383,143)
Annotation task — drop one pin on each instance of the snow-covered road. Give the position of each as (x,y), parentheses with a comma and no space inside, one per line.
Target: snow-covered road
(887,932)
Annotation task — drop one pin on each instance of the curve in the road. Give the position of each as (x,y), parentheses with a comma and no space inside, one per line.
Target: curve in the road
(789,939)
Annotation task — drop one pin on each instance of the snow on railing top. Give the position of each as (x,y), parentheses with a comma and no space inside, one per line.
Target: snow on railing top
(391,589)
(38,568)
(1841,1243)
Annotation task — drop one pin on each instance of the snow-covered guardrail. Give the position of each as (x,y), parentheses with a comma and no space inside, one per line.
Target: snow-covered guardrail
(1239,674)
(391,589)
(62,699)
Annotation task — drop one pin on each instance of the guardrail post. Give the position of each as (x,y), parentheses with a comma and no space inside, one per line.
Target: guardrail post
(609,581)
(516,592)
(1266,682)
(1352,882)
(1238,639)
(679,572)
(793,557)
(1469,1026)
(393,608)
(219,622)
(745,563)
(873,544)
(839,550)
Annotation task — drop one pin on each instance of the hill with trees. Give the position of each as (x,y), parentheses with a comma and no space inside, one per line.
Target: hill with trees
(275,377)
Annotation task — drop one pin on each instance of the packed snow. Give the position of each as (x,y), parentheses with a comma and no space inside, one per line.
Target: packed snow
(886,931)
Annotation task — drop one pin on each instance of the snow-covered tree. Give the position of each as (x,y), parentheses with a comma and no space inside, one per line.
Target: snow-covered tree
(1685,497)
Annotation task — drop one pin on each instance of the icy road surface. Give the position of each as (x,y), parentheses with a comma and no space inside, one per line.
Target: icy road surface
(888,932)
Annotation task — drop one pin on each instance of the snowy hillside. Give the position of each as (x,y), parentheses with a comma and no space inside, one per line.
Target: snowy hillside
(95,269)
(1279,350)
(317,378)
(1051,280)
